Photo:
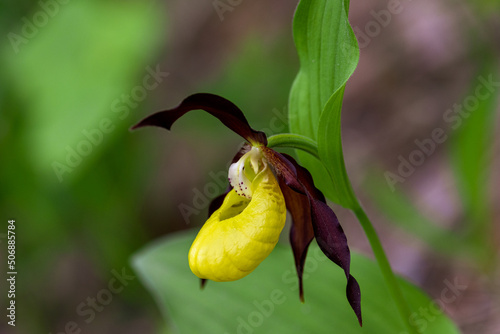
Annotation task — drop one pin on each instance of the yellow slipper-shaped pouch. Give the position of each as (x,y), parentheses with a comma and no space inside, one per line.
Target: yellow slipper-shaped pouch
(241,233)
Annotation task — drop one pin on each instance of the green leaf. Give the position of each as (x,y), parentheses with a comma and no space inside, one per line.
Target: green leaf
(328,54)
(267,300)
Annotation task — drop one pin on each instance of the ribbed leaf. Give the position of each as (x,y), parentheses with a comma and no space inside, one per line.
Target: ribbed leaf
(328,55)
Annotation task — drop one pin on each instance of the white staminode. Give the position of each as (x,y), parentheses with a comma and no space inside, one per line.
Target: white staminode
(242,172)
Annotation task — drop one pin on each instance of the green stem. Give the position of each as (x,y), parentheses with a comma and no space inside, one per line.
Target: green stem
(308,145)
(294,141)
(385,267)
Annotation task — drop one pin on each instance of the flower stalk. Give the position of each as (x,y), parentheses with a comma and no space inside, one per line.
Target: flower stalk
(293,140)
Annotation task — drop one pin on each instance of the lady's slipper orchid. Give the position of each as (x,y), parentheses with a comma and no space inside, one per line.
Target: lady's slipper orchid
(245,222)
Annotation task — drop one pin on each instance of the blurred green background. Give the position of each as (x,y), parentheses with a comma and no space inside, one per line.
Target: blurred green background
(86,193)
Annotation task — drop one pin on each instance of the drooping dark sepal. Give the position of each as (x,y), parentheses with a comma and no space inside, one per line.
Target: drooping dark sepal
(304,178)
(329,234)
(226,111)
(333,242)
(301,232)
(285,169)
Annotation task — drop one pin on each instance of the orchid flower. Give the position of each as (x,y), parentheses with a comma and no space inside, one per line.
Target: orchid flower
(246,221)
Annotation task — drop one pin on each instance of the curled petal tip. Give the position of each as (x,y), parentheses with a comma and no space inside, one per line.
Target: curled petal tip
(137,126)
(301,295)
(224,110)
(285,169)
(353,293)
(160,119)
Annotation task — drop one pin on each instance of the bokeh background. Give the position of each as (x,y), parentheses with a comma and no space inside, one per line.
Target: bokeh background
(86,193)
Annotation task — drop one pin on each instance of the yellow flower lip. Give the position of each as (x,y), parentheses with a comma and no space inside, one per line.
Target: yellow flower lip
(241,233)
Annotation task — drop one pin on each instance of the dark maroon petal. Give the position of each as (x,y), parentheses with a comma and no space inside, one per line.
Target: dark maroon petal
(301,233)
(329,234)
(228,113)
(333,242)
(353,293)
(305,179)
(284,168)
